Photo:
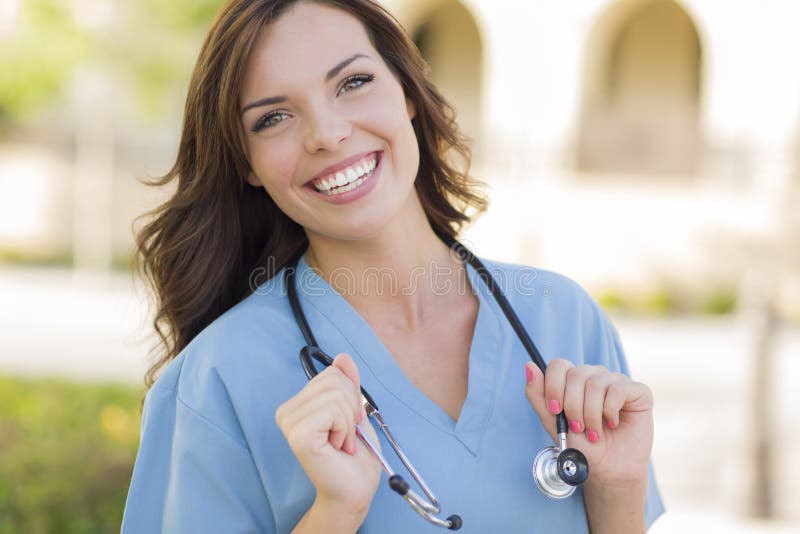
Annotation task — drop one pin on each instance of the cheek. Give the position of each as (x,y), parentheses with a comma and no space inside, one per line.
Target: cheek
(274,163)
(392,123)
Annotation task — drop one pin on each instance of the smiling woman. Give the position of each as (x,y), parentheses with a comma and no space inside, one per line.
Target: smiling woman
(315,145)
(331,98)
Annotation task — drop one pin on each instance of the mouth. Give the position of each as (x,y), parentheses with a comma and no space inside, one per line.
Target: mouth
(346,178)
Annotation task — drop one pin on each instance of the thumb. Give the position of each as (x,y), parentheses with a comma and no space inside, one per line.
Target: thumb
(534,390)
(344,362)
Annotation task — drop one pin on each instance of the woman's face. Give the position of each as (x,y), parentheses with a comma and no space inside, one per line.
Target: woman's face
(328,127)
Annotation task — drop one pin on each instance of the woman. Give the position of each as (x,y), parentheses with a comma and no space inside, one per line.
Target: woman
(311,129)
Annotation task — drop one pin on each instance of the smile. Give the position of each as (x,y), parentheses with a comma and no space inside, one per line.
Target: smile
(348,178)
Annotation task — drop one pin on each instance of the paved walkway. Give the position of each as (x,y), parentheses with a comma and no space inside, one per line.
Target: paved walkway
(56,322)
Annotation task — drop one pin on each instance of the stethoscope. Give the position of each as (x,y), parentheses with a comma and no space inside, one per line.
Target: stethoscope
(557,470)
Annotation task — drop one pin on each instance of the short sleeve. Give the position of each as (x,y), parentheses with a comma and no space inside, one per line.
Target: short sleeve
(191,476)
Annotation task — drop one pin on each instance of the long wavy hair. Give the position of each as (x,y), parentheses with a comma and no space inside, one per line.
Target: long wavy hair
(198,249)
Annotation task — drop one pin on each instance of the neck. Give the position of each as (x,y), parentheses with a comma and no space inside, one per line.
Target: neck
(399,276)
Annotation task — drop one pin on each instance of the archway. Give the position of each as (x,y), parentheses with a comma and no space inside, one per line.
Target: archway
(642,92)
(450,42)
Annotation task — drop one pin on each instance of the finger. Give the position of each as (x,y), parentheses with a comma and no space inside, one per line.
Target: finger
(340,429)
(638,397)
(555,380)
(594,402)
(330,377)
(574,395)
(320,428)
(344,362)
(534,390)
(327,393)
(319,419)
(615,400)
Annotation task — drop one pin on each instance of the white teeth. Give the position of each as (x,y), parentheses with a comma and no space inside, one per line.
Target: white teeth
(347,179)
(348,187)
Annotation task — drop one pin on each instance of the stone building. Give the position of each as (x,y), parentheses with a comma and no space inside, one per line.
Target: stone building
(629,142)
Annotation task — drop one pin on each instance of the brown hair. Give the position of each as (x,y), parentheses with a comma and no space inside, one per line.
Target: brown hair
(199,248)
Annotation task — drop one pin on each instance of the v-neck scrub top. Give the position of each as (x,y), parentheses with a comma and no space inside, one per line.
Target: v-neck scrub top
(212,458)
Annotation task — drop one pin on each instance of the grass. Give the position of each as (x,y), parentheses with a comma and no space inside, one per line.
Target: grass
(67,455)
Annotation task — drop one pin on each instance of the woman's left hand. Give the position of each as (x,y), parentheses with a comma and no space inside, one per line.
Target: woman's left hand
(610,418)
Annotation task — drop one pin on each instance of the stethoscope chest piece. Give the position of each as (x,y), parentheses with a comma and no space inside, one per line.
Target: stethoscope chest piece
(558,472)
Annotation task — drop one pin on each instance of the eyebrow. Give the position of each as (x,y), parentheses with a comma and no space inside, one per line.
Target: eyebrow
(283,98)
(338,68)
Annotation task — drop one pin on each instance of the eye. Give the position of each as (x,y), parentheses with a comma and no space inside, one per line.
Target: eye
(269,120)
(354,82)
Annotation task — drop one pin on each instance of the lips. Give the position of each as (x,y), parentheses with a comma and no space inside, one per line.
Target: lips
(352,192)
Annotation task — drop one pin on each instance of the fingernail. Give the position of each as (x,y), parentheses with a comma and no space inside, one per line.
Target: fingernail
(554,406)
(611,424)
(528,374)
(360,417)
(593,436)
(575,426)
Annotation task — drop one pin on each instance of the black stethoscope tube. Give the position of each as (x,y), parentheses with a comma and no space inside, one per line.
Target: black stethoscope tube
(511,315)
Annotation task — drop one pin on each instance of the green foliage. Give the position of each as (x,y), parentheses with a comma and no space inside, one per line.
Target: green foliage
(721,301)
(187,16)
(667,300)
(156,47)
(150,46)
(12,256)
(67,455)
(612,301)
(660,302)
(38,58)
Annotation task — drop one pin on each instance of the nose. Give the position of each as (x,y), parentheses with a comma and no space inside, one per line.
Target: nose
(326,129)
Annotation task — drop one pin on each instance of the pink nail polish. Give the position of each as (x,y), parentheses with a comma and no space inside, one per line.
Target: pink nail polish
(593,436)
(360,417)
(528,374)
(554,406)
(575,426)
(611,424)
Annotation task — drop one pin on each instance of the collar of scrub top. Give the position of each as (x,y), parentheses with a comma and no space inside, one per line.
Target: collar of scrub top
(555,468)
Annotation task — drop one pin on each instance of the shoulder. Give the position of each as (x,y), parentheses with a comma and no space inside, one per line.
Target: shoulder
(542,288)
(560,314)
(218,372)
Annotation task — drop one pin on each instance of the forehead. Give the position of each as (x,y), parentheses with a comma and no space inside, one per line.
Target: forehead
(304,43)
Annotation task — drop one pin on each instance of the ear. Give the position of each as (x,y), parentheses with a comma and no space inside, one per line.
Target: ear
(253,180)
(411,109)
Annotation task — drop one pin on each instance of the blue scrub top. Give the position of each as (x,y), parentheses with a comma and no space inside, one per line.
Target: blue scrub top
(212,458)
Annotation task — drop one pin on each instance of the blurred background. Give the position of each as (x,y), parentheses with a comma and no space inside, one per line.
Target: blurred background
(648,149)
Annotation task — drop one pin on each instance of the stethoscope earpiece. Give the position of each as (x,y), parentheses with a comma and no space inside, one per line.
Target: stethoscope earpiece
(455,522)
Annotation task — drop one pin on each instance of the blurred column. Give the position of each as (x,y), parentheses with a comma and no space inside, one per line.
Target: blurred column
(94,142)
(761,287)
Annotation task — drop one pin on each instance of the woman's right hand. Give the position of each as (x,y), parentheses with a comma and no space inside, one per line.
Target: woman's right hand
(319,424)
